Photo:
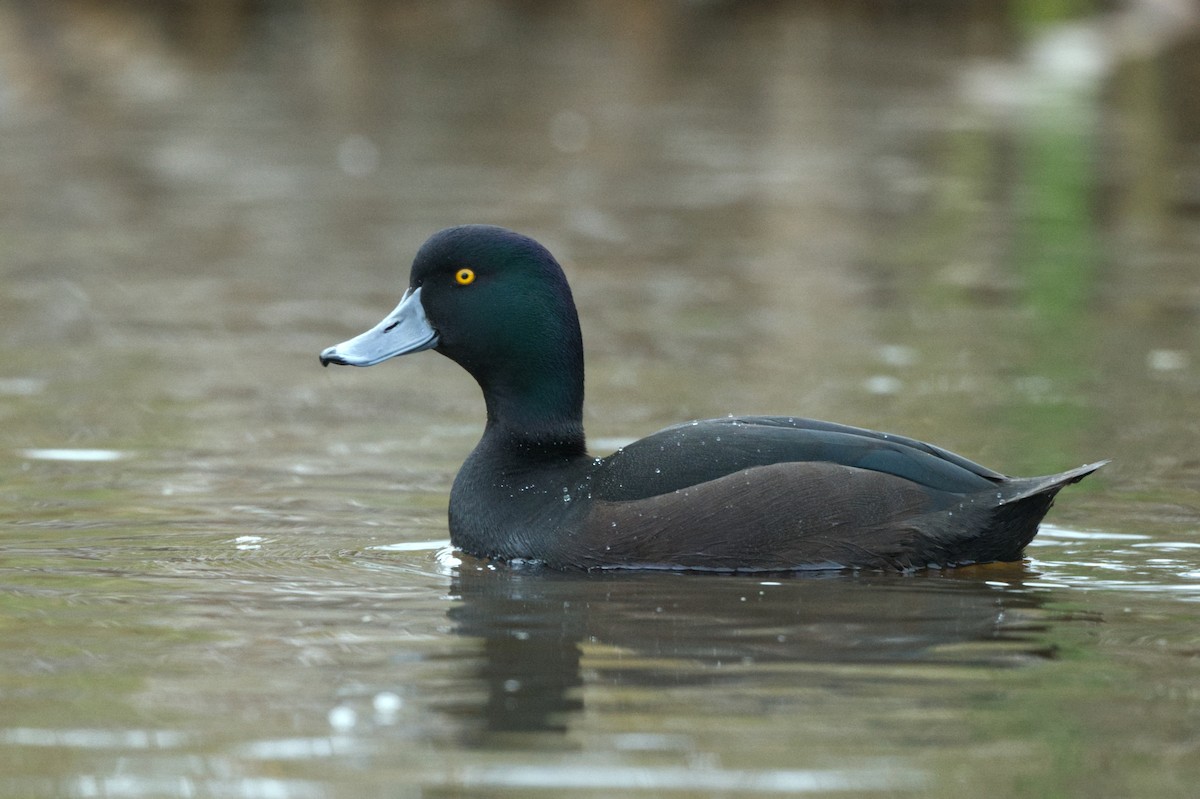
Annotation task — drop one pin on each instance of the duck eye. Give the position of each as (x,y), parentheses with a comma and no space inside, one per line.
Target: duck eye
(464,277)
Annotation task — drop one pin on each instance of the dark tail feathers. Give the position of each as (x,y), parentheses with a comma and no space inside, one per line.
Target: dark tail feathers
(1016,518)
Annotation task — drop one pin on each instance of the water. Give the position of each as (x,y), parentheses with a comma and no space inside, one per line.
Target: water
(225,570)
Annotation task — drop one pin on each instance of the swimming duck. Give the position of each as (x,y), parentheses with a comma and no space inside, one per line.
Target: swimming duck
(748,493)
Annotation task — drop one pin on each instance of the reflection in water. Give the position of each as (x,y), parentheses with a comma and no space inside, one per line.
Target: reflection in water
(531,635)
(670,630)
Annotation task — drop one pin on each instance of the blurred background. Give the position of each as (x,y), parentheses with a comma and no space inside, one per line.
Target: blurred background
(932,216)
(975,223)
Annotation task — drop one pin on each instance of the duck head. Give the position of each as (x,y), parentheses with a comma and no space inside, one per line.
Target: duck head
(498,304)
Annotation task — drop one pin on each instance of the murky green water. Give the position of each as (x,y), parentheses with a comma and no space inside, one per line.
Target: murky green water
(224,571)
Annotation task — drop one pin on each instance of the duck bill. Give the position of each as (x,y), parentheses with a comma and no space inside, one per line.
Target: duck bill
(402,331)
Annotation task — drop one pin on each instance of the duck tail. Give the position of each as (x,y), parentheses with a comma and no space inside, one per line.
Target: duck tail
(1022,488)
(1016,518)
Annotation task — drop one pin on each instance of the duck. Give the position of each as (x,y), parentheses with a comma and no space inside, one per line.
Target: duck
(729,495)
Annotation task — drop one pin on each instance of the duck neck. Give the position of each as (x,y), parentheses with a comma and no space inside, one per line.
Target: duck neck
(533,447)
(538,423)
(532,385)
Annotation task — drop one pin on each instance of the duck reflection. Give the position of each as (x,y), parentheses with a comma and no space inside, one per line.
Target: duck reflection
(647,629)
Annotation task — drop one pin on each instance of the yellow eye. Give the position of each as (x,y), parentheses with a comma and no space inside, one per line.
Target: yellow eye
(464,277)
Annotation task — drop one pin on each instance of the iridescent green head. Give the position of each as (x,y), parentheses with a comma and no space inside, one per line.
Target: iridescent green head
(498,304)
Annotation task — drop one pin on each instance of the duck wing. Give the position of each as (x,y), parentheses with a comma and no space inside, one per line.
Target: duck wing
(697,452)
(782,494)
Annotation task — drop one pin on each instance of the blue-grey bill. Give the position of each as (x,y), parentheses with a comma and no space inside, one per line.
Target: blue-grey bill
(402,331)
